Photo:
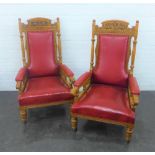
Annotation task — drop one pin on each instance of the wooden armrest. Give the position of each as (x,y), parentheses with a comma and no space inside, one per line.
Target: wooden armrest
(134,92)
(134,100)
(21,74)
(82,85)
(133,85)
(66,75)
(18,84)
(21,79)
(81,80)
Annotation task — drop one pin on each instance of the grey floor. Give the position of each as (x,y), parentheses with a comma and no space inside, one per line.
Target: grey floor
(48,129)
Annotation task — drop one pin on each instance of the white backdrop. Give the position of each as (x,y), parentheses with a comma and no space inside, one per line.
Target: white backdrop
(76,22)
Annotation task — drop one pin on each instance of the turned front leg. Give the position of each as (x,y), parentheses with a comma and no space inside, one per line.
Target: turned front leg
(23,114)
(74,123)
(128,133)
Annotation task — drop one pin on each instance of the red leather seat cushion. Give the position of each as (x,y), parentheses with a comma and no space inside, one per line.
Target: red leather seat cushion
(106,102)
(111,61)
(42,54)
(44,90)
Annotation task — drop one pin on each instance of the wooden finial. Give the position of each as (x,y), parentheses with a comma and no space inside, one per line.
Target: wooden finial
(94,21)
(58,19)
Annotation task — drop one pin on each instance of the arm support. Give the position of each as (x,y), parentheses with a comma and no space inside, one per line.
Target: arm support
(21,79)
(66,75)
(134,92)
(83,81)
(133,85)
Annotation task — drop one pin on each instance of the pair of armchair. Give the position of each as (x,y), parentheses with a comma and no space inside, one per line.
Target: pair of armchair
(107,93)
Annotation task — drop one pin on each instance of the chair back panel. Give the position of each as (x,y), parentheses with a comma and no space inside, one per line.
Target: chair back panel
(41,54)
(113,49)
(41,46)
(111,60)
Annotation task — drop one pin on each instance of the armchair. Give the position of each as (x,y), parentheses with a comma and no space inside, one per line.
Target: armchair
(109,92)
(43,80)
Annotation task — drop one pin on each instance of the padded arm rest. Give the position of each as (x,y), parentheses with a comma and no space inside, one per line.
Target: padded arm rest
(133,85)
(66,70)
(82,79)
(21,74)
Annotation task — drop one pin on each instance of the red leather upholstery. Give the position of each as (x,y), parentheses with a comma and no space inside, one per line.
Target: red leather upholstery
(66,70)
(106,102)
(21,74)
(44,90)
(133,84)
(82,78)
(112,53)
(42,55)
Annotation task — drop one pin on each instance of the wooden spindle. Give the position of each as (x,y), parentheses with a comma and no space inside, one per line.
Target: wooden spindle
(59,41)
(134,48)
(22,42)
(92,46)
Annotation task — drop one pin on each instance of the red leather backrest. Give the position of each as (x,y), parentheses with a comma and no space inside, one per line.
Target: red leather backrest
(111,61)
(42,54)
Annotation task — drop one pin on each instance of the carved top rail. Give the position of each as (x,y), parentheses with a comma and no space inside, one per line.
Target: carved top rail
(115,27)
(39,24)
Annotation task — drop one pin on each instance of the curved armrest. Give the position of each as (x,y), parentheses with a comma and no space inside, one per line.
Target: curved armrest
(21,74)
(134,92)
(83,81)
(66,75)
(79,82)
(21,79)
(133,86)
(67,71)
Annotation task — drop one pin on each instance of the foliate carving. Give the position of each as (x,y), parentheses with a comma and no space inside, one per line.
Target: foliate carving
(39,23)
(115,25)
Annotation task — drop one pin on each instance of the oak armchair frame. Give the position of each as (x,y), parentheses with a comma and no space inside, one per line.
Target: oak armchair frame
(40,25)
(114,27)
